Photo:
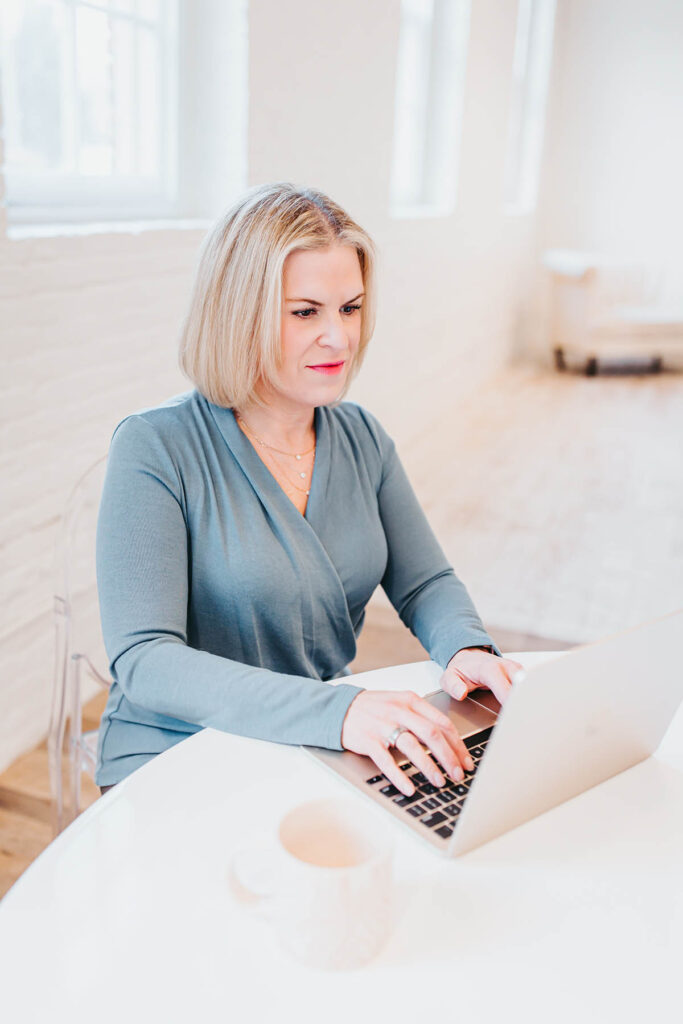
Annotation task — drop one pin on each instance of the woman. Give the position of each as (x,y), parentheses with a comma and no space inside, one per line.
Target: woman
(244,525)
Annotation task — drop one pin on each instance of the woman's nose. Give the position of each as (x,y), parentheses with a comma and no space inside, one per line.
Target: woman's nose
(335,332)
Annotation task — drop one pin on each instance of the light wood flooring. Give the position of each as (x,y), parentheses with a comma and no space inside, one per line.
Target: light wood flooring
(559,500)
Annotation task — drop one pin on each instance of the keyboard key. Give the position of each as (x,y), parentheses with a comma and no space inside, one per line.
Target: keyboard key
(445,796)
(374,779)
(445,832)
(476,752)
(418,778)
(405,766)
(431,803)
(390,790)
(404,801)
(462,790)
(453,810)
(417,811)
(433,819)
(428,789)
(478,739)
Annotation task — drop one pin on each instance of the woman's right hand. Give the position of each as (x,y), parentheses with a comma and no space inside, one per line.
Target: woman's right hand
(373,715)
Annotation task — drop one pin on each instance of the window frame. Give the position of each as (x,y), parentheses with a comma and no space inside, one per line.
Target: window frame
(436,128)
(530,86)
(50,200)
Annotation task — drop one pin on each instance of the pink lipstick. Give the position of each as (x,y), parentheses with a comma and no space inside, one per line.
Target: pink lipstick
(328,368)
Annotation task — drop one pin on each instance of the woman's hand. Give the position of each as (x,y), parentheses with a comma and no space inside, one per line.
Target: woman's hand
(471,668)
(372,717)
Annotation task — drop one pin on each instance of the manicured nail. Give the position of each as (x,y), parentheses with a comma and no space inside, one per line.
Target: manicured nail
(438,779)
(469,764)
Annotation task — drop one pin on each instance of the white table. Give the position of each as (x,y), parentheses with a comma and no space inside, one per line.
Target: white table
(576,916)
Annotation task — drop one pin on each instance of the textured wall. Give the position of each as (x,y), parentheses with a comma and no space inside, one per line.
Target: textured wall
(88,333)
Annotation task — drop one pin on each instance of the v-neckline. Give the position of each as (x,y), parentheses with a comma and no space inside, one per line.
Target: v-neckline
(259,472)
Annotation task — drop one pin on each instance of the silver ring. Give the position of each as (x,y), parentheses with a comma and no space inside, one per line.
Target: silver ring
(394,735)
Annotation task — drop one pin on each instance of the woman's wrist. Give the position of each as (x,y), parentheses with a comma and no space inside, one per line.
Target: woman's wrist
(483,647)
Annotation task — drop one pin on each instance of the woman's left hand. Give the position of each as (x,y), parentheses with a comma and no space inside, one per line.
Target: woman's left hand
(471,668)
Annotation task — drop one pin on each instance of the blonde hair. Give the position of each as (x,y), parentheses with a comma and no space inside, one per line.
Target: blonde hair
(231,335)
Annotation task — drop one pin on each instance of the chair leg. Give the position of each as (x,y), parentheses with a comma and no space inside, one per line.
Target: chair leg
(560,363)
(76,728)
(57,728)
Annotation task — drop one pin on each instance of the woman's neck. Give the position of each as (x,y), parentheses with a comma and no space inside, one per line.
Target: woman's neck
(291,430)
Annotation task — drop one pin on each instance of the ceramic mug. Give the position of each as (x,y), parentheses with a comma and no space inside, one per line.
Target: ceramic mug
(325,883)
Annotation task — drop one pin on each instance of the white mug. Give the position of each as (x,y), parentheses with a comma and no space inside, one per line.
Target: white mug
(325,883)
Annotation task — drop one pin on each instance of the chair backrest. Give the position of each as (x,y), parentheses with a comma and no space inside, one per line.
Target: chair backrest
(81,664)
(76,580)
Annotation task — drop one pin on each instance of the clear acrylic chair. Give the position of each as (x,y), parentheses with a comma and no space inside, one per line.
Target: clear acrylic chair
(80,660)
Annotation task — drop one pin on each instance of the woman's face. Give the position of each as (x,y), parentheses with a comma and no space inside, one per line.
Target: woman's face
(320,324)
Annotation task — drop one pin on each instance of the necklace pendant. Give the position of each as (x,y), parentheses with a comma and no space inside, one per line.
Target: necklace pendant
(298,457)
(302,475)
(308,492)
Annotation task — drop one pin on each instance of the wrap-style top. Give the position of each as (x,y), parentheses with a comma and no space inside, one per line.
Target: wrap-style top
(223,606)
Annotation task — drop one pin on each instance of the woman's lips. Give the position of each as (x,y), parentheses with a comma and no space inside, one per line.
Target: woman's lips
(328,368)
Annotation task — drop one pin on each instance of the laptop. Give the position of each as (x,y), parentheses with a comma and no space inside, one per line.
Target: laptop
(568,724)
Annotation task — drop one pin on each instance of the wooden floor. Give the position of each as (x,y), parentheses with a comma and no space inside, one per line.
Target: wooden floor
(565,501)
(564,518)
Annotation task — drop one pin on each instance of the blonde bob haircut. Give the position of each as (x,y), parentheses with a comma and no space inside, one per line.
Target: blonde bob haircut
(230,339)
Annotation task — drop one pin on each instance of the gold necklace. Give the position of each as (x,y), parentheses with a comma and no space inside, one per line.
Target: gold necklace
(301,490)
(292,455)
(274,462)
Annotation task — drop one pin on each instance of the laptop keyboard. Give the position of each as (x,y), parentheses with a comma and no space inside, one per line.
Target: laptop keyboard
(435,807)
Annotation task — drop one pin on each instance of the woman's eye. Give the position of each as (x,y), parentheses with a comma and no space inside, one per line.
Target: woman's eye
(305,314)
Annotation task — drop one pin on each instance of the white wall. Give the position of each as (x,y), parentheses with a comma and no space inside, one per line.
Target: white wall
(89,324)
(611,181)
(321,112)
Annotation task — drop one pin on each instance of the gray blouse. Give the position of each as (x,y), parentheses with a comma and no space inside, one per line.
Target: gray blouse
(223,606)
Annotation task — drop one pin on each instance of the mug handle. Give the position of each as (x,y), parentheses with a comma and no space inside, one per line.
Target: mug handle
(252,877)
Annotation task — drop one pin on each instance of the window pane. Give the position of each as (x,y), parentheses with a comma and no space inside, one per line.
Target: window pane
(89,109)
(149,9)
(34,48)
(149,103)
(430,82)
(530,79)
(123,46)
(94,91)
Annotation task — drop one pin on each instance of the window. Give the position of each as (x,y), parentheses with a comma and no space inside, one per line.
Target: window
(100,108)
(88,89)
(430,82)
(530,79)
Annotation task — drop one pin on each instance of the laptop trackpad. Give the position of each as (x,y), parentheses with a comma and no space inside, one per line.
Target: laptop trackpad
(478,711)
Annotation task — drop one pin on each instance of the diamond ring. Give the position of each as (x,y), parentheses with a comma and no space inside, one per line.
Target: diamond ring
(394,735)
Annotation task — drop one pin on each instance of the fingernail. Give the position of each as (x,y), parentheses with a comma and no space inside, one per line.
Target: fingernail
(469,764)
(438,779)
(409,790)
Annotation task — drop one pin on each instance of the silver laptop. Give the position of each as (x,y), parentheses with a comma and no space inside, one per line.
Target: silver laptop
(568,724)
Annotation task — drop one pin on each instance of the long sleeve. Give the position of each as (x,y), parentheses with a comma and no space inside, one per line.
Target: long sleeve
(418,580)
(144,569)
